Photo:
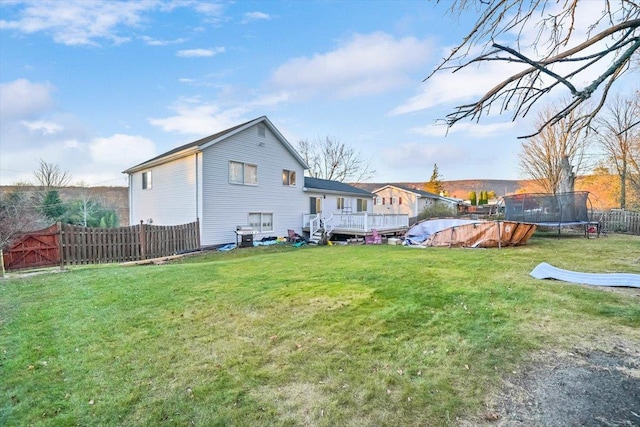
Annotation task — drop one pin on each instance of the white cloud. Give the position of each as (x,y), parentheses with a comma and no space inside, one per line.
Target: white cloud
(412,155)
(197,118)
(78,22)
(472,130)
(23,98)
(155,42)
(364,65)
(42,126)
(121,151)
(255,16)
(446,88)
(199,53)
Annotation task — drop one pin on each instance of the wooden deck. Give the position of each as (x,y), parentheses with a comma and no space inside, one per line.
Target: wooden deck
(358,224)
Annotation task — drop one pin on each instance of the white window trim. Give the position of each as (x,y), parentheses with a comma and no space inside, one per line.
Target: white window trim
(260,229)
(287,181)
(147,180)
(243,174)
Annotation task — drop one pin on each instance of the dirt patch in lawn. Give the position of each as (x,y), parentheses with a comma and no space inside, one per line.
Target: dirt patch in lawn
(597,383)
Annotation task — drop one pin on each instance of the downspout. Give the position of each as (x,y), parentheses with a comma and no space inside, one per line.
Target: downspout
(130,198)
(197,186)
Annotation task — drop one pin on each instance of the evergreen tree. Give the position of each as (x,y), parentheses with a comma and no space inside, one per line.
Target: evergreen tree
(435,185)
(473,198)
(52,206)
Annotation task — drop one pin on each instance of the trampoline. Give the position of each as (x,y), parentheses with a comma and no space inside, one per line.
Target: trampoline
(553,210)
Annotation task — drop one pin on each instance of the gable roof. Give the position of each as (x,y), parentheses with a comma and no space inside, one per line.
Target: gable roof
(201,144)
(420,193)
(329,186)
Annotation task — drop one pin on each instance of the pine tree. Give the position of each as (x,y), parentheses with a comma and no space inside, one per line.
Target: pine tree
(52,206)
(435,185)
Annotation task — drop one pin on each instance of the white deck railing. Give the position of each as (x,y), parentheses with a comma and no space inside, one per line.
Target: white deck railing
(355,223)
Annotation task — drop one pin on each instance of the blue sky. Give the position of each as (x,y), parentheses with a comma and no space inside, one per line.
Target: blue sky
(97,87)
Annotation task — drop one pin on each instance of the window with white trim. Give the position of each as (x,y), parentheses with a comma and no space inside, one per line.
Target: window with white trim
(243,173)
(262,222)
(146,180)
(361,205)
(377,201)
(340,203)
(288,178)
(394,201)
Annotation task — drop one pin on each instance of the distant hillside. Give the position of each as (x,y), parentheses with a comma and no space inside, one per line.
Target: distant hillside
(604,189)
(459,189)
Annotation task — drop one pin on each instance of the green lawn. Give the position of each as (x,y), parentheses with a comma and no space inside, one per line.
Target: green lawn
(334,335)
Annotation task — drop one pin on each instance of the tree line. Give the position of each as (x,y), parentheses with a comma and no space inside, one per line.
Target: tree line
(32,207)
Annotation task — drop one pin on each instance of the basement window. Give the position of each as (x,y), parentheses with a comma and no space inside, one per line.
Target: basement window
(261,222)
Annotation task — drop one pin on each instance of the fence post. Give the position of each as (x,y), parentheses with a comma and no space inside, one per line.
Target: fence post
(197,233)
(1,264)
(143,241)
(60,252)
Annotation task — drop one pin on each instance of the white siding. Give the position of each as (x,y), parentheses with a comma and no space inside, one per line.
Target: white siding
(226,205)
(411,204)
(171,200)
(330,203)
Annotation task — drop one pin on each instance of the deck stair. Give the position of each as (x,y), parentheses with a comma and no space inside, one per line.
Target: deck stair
(316,237)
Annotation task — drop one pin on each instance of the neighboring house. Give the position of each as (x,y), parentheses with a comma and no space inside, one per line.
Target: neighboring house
(397,199)
(248,175)
(332,197)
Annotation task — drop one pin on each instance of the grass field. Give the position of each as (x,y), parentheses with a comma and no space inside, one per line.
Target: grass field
(334,335)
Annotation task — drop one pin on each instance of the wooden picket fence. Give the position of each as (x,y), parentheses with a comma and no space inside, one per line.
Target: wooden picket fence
(77,245)
(619,221)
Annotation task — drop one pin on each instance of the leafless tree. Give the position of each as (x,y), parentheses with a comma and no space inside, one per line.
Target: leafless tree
(556,57)
(331,159)
(621,141)
(18,215)
(49,175)
(555,155)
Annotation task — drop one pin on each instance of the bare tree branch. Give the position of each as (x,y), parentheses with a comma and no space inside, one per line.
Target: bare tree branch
(618,44)
(332,159)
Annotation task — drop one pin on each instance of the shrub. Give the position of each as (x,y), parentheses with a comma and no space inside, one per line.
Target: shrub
(437,210)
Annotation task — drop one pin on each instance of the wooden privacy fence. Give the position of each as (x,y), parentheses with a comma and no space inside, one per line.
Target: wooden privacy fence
(64,244)
(619,221)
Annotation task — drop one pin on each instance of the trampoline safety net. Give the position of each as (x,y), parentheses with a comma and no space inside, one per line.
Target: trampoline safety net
(544,208)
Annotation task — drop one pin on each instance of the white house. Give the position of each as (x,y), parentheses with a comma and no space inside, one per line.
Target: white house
(333,197)
(397,199)
(341,208)
(248,175)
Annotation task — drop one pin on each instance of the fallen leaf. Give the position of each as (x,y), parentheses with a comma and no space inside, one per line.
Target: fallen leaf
(491,416)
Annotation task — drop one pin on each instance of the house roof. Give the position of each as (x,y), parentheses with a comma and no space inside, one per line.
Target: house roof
(210,140)
(420,193)
(329,186)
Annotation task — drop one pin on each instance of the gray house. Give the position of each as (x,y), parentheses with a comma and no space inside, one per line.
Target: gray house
(248,175)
